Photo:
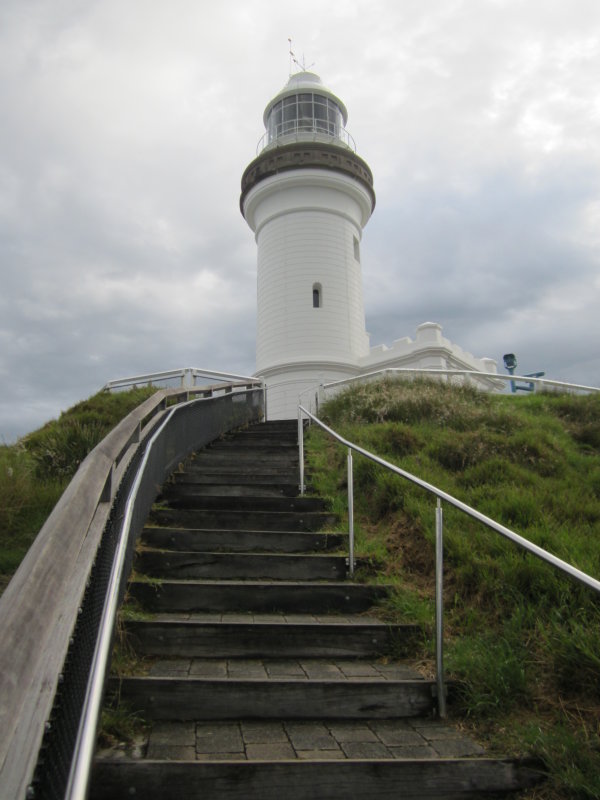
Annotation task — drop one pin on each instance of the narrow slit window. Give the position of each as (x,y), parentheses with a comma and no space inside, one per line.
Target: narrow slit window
(317,295)
(356,249)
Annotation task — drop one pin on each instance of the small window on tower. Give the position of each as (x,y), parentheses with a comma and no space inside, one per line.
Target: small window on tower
(317,295)
(356,249)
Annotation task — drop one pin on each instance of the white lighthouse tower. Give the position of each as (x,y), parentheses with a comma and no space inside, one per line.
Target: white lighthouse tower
(307,197)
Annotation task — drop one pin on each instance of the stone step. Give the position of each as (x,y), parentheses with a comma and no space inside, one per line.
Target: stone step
(260,638)
(408,778)
(243,520)
(187,496)
(190,698)
(206,540)
(177,565)
(256,596)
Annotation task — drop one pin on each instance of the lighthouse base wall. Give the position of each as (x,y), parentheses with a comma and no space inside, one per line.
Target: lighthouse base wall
(289,385)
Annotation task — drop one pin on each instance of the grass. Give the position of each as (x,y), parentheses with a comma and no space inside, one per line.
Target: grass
(35,471)
(522,641)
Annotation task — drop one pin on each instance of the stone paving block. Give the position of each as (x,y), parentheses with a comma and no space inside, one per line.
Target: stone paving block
(231,617)
(364,619)
(358,669)
(218,737)
(221,757)
(320,755)
(208,669)
(433,731)
(243,669)
(168,752)
(413,752)
(300,619)
(398,735)
(352,732)
(172,733)
(277,751)
(317,670)
(285,669)
(263,732)
(399,672)
(366,750)
(310,736)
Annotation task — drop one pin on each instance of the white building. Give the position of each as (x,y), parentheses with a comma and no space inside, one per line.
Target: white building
(307,197)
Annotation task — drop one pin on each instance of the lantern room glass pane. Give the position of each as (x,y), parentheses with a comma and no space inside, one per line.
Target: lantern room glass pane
(304,112)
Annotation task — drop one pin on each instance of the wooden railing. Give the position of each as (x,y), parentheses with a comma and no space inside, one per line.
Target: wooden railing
(40,606)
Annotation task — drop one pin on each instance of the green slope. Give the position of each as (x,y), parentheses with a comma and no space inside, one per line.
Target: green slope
(35,471)
(523,641)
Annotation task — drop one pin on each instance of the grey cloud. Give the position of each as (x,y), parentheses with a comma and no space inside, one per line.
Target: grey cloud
(126,129)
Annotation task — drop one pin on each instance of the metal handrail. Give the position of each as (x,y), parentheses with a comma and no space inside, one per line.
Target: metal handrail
(540,552)
(465,372)
(79,775)
(58,590)
(86,738)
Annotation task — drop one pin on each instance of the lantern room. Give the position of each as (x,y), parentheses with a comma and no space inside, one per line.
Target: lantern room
(305,110)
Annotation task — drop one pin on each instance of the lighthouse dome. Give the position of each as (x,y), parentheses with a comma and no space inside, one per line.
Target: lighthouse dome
(305,110)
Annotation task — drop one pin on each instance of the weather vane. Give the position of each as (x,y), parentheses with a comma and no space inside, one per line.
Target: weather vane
(300,64)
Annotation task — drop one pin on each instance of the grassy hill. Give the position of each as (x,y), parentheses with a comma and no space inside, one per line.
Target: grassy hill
(35,471)
(522,641)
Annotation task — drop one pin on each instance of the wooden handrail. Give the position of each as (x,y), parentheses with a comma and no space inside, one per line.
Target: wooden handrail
(39,607)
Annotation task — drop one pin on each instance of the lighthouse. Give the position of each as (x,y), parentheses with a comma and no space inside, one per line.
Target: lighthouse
(307,197)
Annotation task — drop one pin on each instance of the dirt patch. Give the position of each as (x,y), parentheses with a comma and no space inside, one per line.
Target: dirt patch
(410,548)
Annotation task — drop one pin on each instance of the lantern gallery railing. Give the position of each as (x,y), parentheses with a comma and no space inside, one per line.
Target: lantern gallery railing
(440,496)
(295,131)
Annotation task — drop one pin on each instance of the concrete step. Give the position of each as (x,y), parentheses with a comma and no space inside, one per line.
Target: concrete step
(206,540)
(263,637)
(188,496)
(242,520)
(190,698)
(321,778)
(256,596)
(178,565)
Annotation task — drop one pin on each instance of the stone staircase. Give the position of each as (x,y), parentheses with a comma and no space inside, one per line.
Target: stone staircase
(267,672)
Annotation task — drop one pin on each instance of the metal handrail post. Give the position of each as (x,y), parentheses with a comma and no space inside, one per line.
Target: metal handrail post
(350,514)
(301,451)
(439,609)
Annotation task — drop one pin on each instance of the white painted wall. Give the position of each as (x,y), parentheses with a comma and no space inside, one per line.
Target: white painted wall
(305,223)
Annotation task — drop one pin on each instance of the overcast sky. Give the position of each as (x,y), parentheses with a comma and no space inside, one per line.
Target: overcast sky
(125,126)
